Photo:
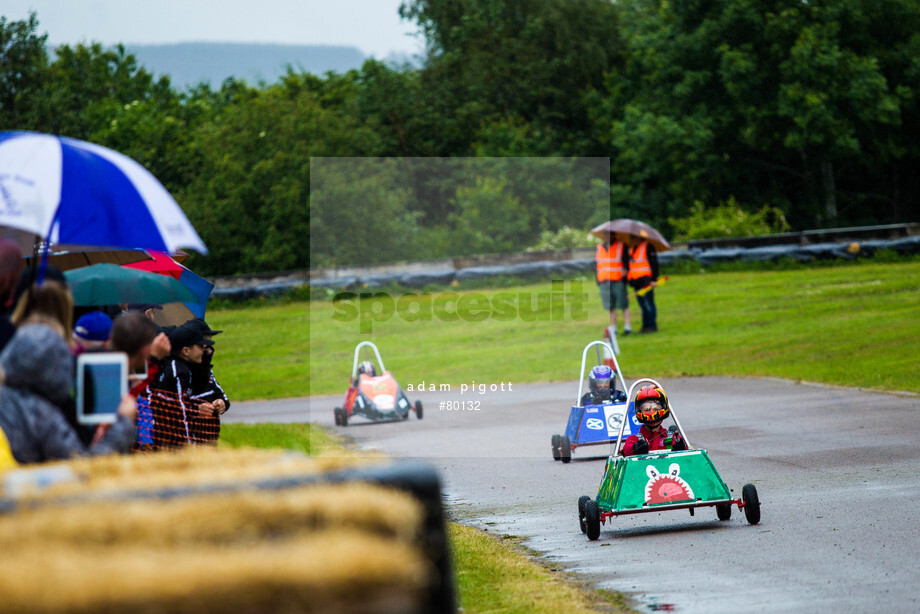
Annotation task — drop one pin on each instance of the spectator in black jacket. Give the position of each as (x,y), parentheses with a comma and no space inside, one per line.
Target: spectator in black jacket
(204,383)
(179,418)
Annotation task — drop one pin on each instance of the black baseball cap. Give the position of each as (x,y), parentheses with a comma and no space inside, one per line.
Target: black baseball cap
(184,336)
(202,327)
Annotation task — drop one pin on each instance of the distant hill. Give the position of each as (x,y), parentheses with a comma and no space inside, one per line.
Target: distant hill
(188,64)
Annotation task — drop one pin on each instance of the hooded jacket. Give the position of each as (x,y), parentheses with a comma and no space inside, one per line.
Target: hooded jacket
(39,373)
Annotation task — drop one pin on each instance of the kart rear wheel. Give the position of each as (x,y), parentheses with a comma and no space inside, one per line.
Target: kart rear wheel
(565,449)
(581,512)
(418,409)
(751,503)
(724,511)
(592,519)
(554,442)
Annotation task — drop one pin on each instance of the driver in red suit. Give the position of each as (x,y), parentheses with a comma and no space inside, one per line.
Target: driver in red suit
(365,368)
(651,409)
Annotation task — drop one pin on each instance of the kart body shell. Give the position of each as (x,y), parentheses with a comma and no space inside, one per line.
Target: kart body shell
(661,480)
(377,398)
(598,424)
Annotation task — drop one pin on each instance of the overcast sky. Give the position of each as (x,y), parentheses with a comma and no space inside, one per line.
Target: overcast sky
(373,26)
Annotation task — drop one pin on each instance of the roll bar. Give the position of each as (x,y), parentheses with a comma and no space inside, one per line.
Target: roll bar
(600,361)
(367,345)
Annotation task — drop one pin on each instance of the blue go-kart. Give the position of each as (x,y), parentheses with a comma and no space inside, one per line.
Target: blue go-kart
(594,425)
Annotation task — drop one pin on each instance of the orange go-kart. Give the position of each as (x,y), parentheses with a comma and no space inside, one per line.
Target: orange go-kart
(376,397)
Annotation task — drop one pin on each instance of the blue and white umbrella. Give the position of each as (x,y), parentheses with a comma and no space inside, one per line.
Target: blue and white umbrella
(70,192)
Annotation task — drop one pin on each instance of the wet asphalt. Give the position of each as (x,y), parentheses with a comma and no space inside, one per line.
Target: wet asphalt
(836,470)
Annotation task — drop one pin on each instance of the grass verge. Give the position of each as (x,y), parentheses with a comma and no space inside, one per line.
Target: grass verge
(492,576)
(306,438)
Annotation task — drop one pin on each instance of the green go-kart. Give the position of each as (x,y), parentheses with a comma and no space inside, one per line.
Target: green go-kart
(661,480)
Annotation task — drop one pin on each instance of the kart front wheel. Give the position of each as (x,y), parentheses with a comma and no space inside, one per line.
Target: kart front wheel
(554,442)
(565,449)
(418,409)
(724,511)
(581,512)
(751,503)
(592,519)
(340,418)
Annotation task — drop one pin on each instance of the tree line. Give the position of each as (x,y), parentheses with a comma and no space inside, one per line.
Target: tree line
(806,110)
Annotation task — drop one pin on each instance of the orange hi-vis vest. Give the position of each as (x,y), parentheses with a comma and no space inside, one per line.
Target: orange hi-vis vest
(609,262)
(639,265)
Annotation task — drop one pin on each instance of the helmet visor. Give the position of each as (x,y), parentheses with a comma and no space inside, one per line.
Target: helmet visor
(651,411)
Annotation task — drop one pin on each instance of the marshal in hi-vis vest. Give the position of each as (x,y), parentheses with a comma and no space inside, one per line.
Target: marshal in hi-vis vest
(639,265)
(609,262)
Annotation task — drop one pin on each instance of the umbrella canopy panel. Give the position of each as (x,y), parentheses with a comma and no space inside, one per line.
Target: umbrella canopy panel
(71,192)
(74,259)
(623,228)
(177,313)
(159,263)
(110,284)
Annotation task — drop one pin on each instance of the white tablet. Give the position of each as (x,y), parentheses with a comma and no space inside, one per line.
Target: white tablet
(138,375)
(102,380)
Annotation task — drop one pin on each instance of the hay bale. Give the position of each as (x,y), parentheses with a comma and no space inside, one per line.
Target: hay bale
(206,529)
(336,571)
(192,467)
(247,516)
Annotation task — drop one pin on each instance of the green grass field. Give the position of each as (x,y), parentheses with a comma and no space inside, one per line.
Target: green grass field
(850,325)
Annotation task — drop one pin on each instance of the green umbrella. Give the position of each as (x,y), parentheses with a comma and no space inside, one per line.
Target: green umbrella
(110,284)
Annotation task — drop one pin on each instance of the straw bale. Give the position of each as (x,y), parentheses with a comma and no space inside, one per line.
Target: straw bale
(102,543)
(219,518)
(336,571)
(192,466)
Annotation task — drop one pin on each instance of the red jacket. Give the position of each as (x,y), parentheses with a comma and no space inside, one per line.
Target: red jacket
(656,441)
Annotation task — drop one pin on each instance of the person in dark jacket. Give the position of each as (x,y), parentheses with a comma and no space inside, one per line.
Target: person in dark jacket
(39,375)
(178,418)
(204,384)
(643,277)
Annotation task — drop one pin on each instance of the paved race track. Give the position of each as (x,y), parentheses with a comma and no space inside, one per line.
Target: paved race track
(836,470)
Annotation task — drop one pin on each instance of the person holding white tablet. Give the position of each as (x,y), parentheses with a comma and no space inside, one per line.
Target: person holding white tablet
(137,336)
(39,370)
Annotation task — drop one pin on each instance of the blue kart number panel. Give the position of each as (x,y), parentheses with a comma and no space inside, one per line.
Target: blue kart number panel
(600,423)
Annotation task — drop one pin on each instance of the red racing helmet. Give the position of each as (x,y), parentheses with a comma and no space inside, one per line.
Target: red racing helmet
(651,405)
(367,368)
